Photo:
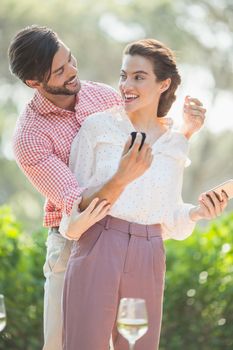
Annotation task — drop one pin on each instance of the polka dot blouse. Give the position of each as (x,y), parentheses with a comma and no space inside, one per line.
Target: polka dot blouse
(153,198)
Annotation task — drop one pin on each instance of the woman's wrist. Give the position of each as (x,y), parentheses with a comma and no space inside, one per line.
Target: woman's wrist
(194,214)
(186,132)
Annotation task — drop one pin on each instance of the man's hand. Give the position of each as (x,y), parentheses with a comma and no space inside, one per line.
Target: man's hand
(193,117)
(133,162)
(94,212)
(210,206)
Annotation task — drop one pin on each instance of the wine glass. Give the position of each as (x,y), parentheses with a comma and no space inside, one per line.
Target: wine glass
(132,321)
(2,313)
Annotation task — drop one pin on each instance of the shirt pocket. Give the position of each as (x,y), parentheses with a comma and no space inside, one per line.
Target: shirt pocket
(58,252)
(88,245)
(159,261)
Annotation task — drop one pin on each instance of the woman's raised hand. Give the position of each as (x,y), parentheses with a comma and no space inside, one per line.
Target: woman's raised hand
(133,162)
(193,116)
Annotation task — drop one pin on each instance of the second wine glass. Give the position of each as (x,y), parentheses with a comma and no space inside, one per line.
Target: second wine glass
(132,320)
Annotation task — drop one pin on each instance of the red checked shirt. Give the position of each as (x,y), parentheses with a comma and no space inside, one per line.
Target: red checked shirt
(42,143)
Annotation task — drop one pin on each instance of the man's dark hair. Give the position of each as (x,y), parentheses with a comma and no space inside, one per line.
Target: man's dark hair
(31,53)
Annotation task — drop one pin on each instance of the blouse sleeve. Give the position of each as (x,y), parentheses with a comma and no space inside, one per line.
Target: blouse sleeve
(179,226)
(81,165)
(82,157)
(177,223)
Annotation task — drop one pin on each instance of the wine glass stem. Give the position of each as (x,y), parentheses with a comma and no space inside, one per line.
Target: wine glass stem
(131,346)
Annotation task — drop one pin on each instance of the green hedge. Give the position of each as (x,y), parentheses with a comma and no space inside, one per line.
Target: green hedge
(21,281)
(198,305)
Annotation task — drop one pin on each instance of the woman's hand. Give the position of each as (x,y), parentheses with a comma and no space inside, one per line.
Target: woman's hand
(210,206)
(133,162)
(94,212)
(193,117)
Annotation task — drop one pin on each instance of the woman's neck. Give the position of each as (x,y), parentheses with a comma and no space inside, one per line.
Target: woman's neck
(146,122)
(150,124)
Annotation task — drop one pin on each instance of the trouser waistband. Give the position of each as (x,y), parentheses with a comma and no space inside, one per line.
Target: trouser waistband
(54,229)
(132,228)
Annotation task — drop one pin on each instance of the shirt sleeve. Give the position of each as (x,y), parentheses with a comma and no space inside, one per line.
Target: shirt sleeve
(110,95)
(49,174)
(81,157)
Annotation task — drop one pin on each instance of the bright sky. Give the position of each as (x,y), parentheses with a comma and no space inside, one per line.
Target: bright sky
(197,82)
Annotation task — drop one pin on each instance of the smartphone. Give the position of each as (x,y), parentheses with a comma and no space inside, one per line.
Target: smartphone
(226,186)
(134,134)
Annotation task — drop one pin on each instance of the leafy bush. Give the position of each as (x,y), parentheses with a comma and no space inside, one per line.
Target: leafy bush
(21,281)
(198,305)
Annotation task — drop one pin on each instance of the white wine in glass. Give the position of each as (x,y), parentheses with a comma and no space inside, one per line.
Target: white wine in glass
(2,313)
(132,321)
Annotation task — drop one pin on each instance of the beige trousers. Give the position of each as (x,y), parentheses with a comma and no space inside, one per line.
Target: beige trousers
(58,252)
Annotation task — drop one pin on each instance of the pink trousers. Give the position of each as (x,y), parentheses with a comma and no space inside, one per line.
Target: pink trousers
(112,260)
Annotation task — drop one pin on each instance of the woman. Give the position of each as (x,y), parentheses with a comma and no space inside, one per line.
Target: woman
(122,255)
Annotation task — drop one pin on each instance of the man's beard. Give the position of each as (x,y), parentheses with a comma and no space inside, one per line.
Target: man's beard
(54,90)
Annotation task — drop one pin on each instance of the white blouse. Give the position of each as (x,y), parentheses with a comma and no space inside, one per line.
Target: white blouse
(153,198)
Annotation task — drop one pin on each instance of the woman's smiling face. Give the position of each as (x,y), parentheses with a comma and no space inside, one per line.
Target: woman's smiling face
(138,85)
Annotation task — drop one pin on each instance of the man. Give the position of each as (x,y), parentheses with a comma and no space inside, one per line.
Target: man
(42,143)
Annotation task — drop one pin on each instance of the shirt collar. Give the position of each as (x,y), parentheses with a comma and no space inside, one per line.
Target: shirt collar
(46,107)
(121,115)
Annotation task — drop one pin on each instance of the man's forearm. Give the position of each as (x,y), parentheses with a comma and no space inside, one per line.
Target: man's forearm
(109,191)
